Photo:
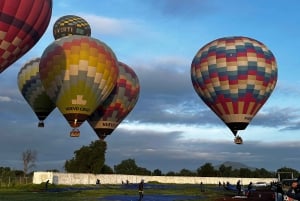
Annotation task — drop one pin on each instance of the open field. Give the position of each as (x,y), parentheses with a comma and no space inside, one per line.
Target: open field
(153,192)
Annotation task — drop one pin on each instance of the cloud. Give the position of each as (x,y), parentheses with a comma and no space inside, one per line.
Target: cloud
(111,26)
(175,153)
(276,117)
(180,8)
(5,99)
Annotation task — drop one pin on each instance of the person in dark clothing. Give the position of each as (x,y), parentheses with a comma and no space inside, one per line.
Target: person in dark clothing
(250,187)
(98,183)
(294,191)
(46,184)
(239,187)
(141,190)
(279,192)
(202,187)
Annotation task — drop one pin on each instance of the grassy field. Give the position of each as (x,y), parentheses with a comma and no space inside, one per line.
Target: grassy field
(90,193)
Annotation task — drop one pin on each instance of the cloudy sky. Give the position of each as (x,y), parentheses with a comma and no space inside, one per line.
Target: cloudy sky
(170,128)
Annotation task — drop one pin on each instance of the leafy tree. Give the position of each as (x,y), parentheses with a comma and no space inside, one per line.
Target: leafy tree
(106,170)
(126,167)
(222,170)
(6,172)
(29,157)
(186,172)
(287,173)
(206,170)
(143,171)
(245,172)
(52,170)
(88,159)
(129,167)
(157,172)
(171,173)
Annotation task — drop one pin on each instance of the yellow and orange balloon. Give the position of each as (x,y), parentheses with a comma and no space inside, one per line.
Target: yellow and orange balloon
(78,73)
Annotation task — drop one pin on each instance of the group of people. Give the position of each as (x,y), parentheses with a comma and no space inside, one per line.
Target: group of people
(239,188)
(294,191)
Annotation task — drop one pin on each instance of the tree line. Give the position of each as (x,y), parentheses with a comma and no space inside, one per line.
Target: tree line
(91,159)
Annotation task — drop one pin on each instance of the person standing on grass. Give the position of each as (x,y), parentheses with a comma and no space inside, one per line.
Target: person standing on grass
(250,187)
(141,190)
(239,187)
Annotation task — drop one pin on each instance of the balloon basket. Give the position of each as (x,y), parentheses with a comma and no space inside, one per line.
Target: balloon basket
(238,140)
(41,124)
(75,133)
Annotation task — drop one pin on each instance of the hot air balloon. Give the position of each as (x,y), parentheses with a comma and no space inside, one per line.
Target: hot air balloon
(78,73)
(119,103)
(234,76)
(33,91)
(71,25)
(22,24)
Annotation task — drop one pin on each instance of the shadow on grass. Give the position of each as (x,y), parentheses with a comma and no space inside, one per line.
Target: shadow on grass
(151,198)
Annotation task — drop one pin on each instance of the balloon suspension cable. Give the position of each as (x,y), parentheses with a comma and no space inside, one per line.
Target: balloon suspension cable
(102,136)
(75,131)
(234,132)
(41,124)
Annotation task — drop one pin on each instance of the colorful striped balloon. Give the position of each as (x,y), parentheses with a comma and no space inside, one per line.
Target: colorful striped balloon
(78,73)
(234,76)
(33,91)
(22,24)
(119,103)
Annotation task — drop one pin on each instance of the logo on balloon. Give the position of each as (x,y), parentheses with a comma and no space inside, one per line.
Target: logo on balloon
(79,100)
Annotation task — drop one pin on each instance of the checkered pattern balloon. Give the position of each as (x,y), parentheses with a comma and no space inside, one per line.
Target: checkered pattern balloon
(22,24)
(71,25)
(234,76)
(33,91)
(119,103)
(78,73)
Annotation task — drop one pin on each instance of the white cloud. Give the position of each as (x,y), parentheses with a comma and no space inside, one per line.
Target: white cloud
(5,99)
(111,26)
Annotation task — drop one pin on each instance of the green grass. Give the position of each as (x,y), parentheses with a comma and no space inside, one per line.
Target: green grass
(79,193)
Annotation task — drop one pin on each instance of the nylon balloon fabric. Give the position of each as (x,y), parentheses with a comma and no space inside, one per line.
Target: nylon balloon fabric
(78,73)
(71,25)
(119,103)
(33,91)
(22,24)
(234,76)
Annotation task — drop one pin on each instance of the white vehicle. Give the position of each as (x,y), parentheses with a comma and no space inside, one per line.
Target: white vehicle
(260,184)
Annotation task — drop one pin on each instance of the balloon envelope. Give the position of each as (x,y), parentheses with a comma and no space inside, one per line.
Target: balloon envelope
(71,25)
(22,24)
(78,73)
(119,103)
(33,91)
(234,76)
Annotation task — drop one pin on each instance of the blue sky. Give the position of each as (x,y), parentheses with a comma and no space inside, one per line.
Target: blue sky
(170,128)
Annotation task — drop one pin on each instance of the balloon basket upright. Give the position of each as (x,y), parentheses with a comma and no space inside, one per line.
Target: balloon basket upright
(75,133)
(41,124)
(238,140)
